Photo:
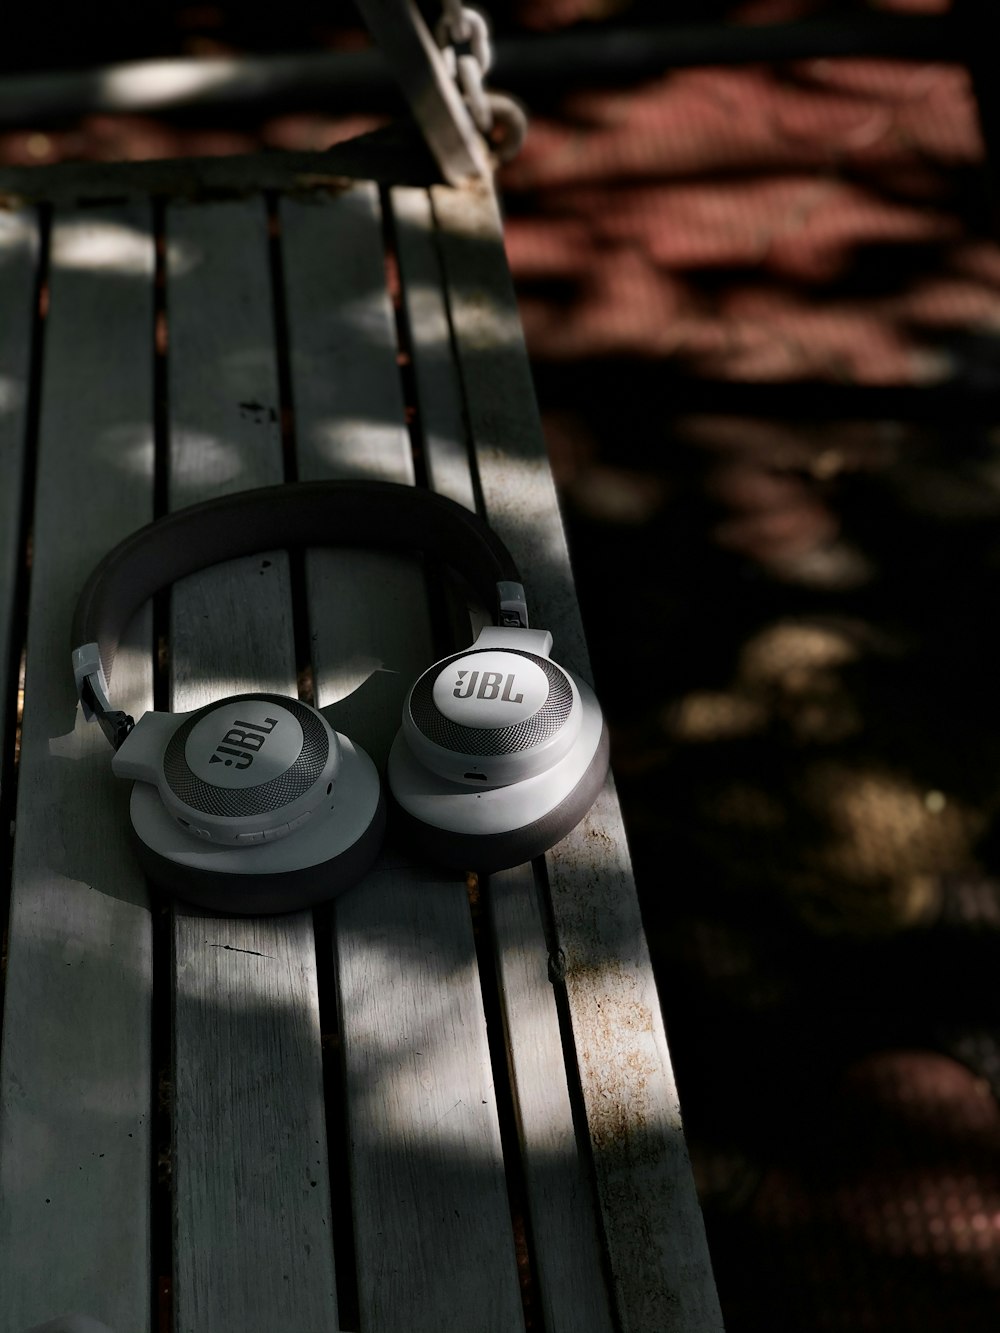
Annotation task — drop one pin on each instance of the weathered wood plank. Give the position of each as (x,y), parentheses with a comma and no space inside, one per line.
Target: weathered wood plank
(654,1229)
(432,1229)
(394,154)
(441,411)
(350,422)
(561,1203)
(75,1097)
(251,1177)
(567,1244)
(434,1242)
(18,262)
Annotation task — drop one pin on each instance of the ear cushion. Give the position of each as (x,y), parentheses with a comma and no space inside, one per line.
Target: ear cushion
(323,859)
(487,852)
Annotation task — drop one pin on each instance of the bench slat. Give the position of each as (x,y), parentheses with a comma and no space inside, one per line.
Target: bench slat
(369,620)
(441,414)
(18,262)
(655,1233)
(250,1134)
(75,1100)
(567,1244)
(560,1198)
(432,1227)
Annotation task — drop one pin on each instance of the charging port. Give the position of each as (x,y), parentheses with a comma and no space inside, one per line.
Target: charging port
(475,777)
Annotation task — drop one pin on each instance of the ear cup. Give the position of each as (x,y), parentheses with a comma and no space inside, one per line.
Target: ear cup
(492,715)
(248,769)
(477,823)
(323,857)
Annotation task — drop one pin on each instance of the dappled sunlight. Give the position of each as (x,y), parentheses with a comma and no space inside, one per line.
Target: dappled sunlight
(217,458)
(342,678)
(87,244)
(419,1087)
(83,935)
(359,446)
(12,394)
(162,82)
(18,236)
(757,224)
(100,246)
(127,447)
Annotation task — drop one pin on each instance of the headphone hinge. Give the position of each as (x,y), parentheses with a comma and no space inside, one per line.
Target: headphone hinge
(92,687)
(513,608)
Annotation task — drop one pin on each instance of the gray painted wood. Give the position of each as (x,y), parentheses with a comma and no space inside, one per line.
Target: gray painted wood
(561,1203)
(440,414)
(655,1232)
(349,422)
(251,1177)
(395,154)
(75,1092)
(432,1228)
(18,260)
(433,1232)
(400,32)
(443,432)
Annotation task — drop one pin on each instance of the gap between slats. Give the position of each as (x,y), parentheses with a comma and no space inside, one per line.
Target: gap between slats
(18,458)
(161,1036)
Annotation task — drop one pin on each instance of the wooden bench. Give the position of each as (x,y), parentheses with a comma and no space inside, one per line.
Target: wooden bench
(439,1104)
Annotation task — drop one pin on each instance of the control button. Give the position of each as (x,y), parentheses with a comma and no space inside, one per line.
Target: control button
(299,821)
(200,832)
(272,834)
(244,838)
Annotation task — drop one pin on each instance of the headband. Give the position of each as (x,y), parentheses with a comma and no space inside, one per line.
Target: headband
(380,514)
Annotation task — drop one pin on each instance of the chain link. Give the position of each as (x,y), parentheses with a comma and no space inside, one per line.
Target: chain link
(464,38)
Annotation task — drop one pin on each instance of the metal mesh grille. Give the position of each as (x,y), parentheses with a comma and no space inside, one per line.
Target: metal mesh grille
(483,741)
(234,803)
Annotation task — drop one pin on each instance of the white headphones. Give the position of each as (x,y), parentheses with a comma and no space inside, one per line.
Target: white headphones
(255,804)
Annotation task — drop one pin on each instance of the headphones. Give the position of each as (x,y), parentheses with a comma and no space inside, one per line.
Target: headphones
(254,804)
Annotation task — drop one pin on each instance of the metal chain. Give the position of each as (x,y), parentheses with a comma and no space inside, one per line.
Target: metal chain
(464,38)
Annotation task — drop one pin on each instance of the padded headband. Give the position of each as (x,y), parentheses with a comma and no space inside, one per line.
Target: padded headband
(378,514)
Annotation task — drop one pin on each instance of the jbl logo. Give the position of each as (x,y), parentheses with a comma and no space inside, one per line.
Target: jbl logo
(242,741)
(489,683)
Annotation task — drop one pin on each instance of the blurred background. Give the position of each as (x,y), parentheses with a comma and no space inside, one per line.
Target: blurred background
(761,293)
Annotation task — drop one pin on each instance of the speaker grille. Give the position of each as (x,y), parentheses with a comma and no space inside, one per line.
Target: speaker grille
(235,802)
(483,741)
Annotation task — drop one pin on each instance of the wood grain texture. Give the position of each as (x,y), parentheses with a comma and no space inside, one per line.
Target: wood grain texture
(75,1097)
(253,1213)
(432,1229)
(253,1246)
(563,1212)
(369,628)
(561,1203)
(652,1222)
(18,261)
(441,418)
